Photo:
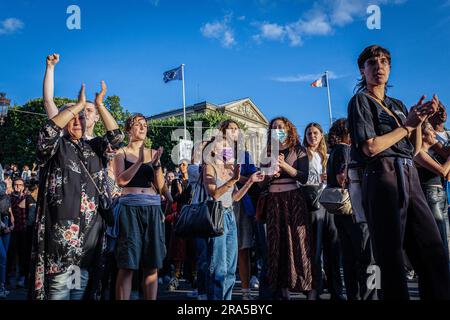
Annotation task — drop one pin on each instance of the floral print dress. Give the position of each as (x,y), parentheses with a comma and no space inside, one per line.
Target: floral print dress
(68,227)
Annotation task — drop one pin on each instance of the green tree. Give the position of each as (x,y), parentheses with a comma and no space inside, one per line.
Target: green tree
(18,135)
(160,131)
(112,103)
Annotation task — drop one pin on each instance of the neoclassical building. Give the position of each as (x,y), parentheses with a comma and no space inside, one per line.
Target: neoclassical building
(243,110)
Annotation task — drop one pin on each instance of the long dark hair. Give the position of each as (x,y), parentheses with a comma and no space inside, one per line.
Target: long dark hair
(337,132)
(370,52)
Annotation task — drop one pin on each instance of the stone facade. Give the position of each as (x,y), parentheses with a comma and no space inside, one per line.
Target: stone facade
(242,110)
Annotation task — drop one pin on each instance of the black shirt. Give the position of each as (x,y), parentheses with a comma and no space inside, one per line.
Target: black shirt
(367,119)
(337,162)
(429,178)
(30,209)
(5,205)
(297,157)
(182,198)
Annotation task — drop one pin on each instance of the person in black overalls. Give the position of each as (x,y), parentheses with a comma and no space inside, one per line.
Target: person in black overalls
(397,212)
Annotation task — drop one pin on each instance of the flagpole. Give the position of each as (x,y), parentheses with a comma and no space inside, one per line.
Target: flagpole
(184,100)
(329,98)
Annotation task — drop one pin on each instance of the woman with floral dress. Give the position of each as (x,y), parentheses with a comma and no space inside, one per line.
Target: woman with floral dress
(68,225)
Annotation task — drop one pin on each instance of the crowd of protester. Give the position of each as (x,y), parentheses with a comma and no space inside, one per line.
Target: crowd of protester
(279,236)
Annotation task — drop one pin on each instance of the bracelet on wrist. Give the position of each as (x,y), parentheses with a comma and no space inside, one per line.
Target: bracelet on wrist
(157,165)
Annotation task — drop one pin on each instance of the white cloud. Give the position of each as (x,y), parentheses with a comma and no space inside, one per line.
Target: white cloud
(305,77)
(314,24)
(320,20)
(272,31)
(220,30)
(10,26)
(154,2)
(344,12)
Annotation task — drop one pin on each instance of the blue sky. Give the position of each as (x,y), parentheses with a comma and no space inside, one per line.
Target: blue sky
(267,50)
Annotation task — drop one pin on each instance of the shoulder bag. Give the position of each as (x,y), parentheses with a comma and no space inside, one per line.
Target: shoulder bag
(203,219)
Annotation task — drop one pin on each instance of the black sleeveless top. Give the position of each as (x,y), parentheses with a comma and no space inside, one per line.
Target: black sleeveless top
(427,177)
(143,177)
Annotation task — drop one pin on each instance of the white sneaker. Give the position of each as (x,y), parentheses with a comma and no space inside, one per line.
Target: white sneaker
(254,283)
(173,284)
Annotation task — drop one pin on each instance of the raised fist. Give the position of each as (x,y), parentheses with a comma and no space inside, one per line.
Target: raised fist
(52,59)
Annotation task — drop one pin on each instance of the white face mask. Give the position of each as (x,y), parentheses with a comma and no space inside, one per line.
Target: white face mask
(281,135)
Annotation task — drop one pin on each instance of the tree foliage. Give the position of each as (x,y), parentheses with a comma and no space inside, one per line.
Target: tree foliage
(18,135)
(160,131)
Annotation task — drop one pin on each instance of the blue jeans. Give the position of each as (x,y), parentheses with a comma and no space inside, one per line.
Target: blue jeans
(61,286)
(4,244)
(222,260)
(437,200)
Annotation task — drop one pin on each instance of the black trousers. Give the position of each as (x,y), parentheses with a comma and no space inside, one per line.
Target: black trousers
(353,262)
(17,254)
(327,242)
(399,217)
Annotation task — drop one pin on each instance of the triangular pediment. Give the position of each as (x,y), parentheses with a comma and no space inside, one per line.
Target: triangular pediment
(246,109)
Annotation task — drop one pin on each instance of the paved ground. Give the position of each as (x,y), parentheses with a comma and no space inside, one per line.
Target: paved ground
(182,293)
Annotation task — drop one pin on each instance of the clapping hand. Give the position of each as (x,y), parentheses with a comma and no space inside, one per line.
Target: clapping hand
(281,161)
(257,177)
(157,156)
(82,96)
(427,109)
(141,157)
(237,173)
(99,97)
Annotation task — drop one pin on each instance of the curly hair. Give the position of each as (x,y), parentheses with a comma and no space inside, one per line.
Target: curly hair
(337,133)
(322,149)
(292,135)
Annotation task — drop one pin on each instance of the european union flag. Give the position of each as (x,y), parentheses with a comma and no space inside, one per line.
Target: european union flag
(174,74)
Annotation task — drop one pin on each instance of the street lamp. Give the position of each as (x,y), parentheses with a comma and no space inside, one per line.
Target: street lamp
(4,105)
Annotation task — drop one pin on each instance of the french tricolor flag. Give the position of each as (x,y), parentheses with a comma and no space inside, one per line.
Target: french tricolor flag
(321,82)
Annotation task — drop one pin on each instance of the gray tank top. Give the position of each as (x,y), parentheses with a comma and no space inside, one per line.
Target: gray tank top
(227,197)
